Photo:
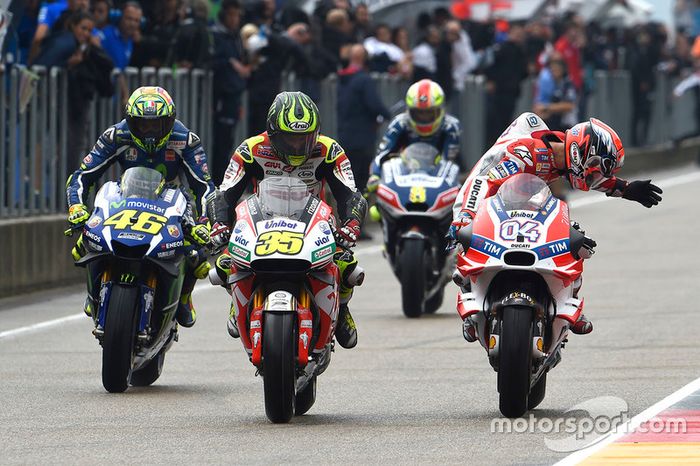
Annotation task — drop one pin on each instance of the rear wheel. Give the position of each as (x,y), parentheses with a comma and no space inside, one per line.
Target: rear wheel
(118,342)
(537,393)
(412,260)
(150,372)
(306,398)
(515,360)
(279,365)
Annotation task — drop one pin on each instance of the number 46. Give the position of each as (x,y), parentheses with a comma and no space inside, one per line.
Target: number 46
(511,229)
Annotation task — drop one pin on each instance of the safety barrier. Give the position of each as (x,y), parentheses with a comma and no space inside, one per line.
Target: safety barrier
(34,161)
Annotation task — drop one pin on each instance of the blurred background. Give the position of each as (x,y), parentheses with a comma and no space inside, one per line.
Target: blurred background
(68,67)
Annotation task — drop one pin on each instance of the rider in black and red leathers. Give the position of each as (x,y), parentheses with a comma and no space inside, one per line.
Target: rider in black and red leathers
(292,146)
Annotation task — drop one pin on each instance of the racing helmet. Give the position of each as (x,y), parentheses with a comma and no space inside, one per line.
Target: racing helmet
(425,101)
(150,116)
(293,124)
(594,153)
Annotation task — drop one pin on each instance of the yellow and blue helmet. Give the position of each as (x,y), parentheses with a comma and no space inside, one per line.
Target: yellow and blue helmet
(293,124)
(150,115)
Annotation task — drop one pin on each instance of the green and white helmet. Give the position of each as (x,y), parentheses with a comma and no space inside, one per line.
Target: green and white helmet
(293,124)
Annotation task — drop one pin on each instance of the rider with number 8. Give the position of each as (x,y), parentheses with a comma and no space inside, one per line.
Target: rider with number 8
(151,137)
(292,146)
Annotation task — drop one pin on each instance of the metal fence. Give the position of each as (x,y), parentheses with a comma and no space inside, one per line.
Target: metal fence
(34,162)
(34,159)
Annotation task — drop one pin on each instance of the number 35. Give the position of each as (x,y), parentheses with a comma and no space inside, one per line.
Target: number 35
(283,242)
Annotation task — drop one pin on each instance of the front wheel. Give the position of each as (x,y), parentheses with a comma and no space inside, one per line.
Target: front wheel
(537,393)
(412,263)
(515,360)
(118,342)
(278,354)
(433,303)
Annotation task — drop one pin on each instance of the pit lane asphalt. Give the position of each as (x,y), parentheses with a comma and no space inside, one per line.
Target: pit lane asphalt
(411,392)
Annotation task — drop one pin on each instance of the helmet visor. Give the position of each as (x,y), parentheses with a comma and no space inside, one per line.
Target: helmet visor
(424,116)
(289,145)
(153,129)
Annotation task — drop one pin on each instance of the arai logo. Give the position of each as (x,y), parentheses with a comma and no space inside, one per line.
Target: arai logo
(298,126)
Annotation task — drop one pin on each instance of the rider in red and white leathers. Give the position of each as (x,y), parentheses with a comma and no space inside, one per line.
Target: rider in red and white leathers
(587,155)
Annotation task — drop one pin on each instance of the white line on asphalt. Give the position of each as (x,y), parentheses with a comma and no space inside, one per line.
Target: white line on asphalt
(39,326)
(666,183)
(632,424)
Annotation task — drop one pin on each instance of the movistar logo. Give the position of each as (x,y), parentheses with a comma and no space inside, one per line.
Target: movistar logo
(118,205)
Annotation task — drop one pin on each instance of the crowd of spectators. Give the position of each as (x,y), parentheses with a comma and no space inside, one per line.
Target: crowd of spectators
(250,44)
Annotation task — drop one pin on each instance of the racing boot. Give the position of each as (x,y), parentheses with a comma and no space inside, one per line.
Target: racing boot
(351,275)
(469,330)
(232,323)
(582,326)
(345,331)
(186,314)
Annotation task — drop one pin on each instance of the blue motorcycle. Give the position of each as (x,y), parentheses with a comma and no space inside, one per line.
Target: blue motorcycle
(136,256)
(414,199)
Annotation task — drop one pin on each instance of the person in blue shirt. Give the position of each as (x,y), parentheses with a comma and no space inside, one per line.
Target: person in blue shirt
(555,101)
(118,41)
(50,21)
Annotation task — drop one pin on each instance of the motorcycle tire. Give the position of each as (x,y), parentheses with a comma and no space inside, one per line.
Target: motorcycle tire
(150,372)
(515,360)
(118,342)
(306,398)
(433,303)
(537,393)
(278,352)
(412,259)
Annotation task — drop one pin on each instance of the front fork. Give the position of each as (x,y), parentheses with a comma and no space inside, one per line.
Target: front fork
(302,306)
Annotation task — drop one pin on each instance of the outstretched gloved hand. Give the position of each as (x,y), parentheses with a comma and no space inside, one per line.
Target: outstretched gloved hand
(643,192)
(346,236)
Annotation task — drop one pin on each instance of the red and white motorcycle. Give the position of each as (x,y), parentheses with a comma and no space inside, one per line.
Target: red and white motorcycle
(285,290)
(522,262)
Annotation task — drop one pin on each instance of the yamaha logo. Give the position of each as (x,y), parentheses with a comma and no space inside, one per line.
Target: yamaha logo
(299,126)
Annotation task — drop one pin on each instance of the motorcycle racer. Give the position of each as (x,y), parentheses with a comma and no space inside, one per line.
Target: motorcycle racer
(150,136)
(292,146)
(588,155)
(424,120)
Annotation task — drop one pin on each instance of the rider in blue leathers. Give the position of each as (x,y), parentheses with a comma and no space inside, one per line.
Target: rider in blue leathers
(424,121)
(151,137)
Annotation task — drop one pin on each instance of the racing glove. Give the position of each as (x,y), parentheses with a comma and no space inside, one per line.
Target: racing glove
(78,214)
(220,235)
(199,232)
(643,192)
(346,236)
(463,219)
(373,183)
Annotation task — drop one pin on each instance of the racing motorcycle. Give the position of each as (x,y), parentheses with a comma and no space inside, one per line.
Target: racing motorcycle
(136,251)
(522,259)
(285,291)
(414,199)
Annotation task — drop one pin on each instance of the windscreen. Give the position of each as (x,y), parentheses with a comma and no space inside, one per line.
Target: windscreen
(141,182)
(524,192)
(283,196)
(419,157)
